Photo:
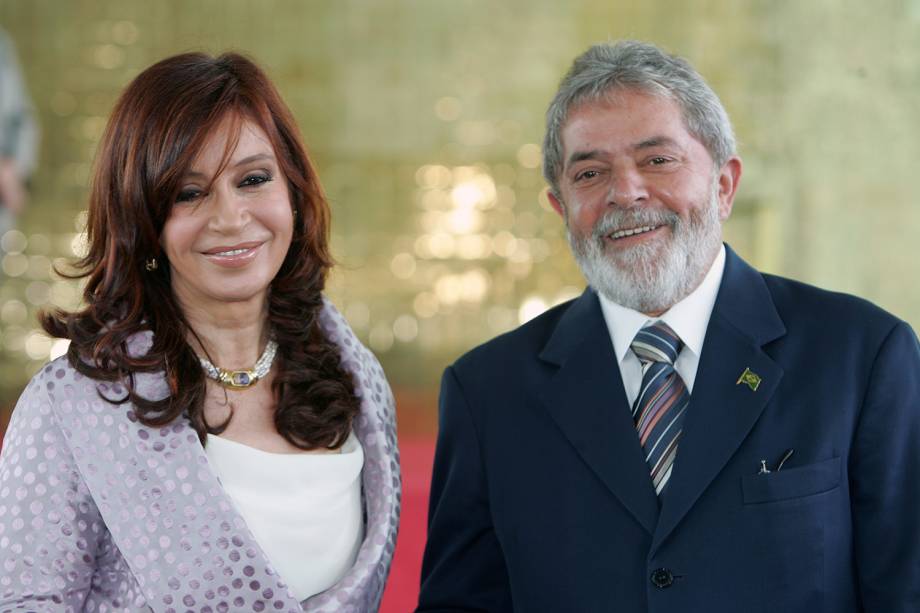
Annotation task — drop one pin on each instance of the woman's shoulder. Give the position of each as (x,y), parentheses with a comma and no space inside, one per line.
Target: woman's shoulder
(35,412)
(55,376)
(59,385)
(355,356)
(378,406)
(63,387)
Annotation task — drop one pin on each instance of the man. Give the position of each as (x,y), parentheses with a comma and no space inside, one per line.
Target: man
(689,434)
(18,137)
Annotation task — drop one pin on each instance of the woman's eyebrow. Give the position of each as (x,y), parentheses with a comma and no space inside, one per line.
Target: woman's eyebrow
(195,174)
(254,158)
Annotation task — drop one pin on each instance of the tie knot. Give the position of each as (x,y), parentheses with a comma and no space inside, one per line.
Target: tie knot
(657,343)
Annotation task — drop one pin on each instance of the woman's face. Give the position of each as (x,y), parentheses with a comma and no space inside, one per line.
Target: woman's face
(226,245)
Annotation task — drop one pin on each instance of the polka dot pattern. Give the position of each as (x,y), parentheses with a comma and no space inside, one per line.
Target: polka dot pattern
(101,513)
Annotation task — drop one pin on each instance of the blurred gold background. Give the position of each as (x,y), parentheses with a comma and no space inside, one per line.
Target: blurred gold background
(425,118)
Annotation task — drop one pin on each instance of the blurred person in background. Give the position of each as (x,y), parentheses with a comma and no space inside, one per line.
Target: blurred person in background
(216,437)
(18,136)
(690,434)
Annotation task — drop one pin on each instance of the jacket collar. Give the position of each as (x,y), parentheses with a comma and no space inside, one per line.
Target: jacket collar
(586,399)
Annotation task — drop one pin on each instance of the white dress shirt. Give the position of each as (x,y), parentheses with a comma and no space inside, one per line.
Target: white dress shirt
(304,509)
(689,318)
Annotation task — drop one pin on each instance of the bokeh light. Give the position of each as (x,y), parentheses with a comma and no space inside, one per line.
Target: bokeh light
(430,155)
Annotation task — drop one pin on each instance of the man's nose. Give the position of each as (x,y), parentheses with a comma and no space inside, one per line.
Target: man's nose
(627,188)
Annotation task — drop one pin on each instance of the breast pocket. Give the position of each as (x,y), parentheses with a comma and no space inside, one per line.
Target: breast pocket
(788,513)
(790,483)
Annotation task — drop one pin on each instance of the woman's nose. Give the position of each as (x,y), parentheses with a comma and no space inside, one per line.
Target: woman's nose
(229,211)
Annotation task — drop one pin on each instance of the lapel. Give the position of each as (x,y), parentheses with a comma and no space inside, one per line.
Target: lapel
(587,401)
(721,411)
(162,476)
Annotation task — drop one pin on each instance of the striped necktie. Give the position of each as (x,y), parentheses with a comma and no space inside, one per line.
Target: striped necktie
(663,398)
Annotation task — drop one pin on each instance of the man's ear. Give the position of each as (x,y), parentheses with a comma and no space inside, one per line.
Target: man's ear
(729,178)
(557,204)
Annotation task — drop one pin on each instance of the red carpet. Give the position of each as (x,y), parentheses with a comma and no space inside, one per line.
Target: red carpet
(416,456)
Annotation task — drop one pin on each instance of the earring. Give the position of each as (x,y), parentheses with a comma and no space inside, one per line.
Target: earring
(150,264)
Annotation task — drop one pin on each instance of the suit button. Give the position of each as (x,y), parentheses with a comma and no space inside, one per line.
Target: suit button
(662,577)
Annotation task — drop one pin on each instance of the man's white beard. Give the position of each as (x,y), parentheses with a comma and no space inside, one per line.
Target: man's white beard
(654,276)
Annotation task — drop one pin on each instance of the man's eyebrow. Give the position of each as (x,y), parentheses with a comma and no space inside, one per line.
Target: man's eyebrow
(194,174)
(579,156)
(648,143)
(655,141)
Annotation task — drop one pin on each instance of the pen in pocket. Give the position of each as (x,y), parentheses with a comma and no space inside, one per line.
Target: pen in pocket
(788,453)
(763,463)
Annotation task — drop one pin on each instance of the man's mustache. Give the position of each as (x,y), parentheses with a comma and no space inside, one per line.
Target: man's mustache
(618,219)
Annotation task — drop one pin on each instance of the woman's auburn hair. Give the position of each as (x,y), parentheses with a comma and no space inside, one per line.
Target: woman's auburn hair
(156,130)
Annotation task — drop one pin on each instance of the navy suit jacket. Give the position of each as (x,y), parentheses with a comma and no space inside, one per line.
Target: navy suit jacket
(541,499)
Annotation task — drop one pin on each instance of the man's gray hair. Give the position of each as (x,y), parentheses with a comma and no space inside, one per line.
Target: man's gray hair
(605,68)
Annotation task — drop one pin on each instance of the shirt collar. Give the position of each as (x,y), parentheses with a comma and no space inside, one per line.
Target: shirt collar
(689,318)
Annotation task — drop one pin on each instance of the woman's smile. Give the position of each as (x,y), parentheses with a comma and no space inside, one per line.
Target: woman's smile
(236,256)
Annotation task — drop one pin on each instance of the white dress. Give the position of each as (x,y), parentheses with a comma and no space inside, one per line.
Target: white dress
(304,509)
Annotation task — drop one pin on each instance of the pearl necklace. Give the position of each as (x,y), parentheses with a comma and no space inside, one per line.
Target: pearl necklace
(245,378)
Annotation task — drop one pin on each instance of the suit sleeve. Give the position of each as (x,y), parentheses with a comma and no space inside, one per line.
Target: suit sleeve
(463,567)
(49,524)
(885,479)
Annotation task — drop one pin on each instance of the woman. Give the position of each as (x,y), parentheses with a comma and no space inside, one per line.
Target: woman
(216,438)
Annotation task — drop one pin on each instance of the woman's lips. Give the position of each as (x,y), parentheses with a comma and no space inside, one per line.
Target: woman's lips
(233,256)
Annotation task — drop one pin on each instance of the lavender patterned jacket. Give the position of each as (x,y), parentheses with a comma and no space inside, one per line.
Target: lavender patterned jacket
(101,513)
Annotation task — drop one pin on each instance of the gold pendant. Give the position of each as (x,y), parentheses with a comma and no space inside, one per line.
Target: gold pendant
(238,379)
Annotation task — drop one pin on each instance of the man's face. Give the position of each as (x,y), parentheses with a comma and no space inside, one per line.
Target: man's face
(642,201)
